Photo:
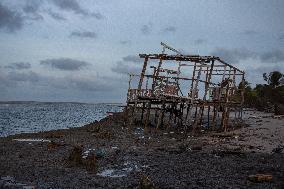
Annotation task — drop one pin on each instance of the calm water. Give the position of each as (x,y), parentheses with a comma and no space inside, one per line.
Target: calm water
(36,116)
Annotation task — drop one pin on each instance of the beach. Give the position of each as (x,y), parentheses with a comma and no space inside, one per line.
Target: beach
(113,155)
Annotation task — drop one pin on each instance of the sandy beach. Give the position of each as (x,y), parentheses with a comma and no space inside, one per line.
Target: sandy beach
(112,155)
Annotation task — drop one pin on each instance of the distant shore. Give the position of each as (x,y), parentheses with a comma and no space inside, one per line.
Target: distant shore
(115,156)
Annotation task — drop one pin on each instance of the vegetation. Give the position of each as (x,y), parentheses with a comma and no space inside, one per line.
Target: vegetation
(270,96)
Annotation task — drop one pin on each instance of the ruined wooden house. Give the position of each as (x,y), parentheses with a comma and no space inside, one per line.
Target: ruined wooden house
(185,91)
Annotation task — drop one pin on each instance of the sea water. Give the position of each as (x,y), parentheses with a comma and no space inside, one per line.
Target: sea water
(27,117)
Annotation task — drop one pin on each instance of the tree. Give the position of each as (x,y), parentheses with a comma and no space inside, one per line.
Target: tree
(273,79)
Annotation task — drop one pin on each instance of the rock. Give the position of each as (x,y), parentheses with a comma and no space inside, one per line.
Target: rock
(91,163)
(278,149)
(52,145)
(260,178)
(100,153)
(138,131)
(196,148)
(279,109)
(75,156)
(146,183)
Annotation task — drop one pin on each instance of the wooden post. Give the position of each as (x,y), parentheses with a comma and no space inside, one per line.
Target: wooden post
(142,74)
(161,115)
(214,117)
(142,111)
(148,114)
(192,80)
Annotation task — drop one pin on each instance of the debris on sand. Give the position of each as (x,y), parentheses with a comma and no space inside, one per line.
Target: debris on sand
(86,159)
(278,149)
(31,140)
(75,157)
(146,183)
(52,145)
(121,171)
(260,178)
(10,183)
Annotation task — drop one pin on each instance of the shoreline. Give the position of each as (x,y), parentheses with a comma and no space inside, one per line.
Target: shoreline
(125,156)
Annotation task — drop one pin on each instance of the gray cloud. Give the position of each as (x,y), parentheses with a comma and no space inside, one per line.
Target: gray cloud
(55,15)
(96,15)
(128,65)
(273,56)
(70,5)
(66,64)
(281,36)
(126,68)
(169,29)
(147,28)
(19,65)
(85,84)
(10,20)
(199,41)
(74,6)
(31,6)
(31,9)
(23,76)
(73,83)
(255,75)
(125,42)
(131,58)
(14,77)
(250,32)
(234,55)
(85,34)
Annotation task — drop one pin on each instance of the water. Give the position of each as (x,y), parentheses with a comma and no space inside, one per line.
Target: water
(26,117)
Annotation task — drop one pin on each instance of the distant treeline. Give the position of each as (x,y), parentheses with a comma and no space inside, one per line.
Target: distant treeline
(269,96)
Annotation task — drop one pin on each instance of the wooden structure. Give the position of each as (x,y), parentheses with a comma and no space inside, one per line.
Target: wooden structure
(185,91)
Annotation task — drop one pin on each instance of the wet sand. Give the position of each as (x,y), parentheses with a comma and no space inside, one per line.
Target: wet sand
(170,159)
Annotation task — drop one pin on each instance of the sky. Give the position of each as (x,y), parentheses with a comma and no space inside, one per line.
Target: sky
(81,51)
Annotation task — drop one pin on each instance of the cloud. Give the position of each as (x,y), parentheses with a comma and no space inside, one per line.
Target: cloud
(16,78)
(147,29)
(131,58)
(273,56)
(66,64)
(10,20)
(74,6)
(31,6)
(96,15)
(87,84)
(128,65)
(56,16)
(23,76)
(19,65)
(169,29)
(126,68)
(233,55)
(255,75)
(236,55)
(281,36)
(199,41)
(250,32)
(125,42)
(86,34)
(19,79)
(31,9)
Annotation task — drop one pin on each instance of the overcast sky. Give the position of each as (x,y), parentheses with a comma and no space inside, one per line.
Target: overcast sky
(71,50)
